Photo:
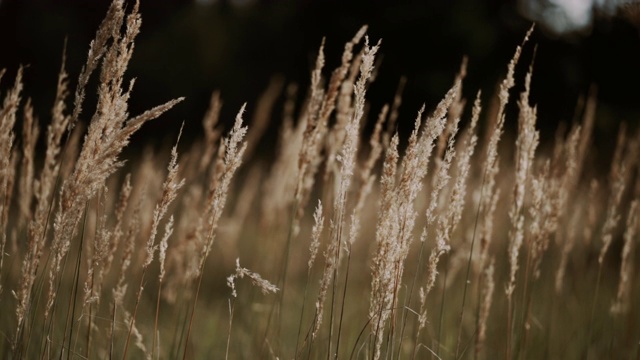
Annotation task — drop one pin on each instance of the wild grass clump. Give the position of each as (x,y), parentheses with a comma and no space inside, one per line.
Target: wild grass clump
(454,243)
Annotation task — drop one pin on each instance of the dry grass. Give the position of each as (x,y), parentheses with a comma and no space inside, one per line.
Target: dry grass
(404,256)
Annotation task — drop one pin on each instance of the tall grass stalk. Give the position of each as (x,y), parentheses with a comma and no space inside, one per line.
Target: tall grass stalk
(469,145)
(230,153)
(170,189)
(282,282)
(71,310)
(621,165)
(316,233)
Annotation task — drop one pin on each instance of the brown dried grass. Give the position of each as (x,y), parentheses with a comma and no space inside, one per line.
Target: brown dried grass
(546,243)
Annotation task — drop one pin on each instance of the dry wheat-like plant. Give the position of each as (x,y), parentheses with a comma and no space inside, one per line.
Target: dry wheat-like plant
(7,167)
(79,228)
(108,133)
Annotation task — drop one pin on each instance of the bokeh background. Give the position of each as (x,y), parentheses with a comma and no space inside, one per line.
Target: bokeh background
(192,47)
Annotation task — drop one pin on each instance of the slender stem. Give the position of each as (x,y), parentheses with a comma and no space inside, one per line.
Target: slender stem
(89,327)
(396,286)
(285,269)
(155,324)
(466,287)
(339,216)
(93,274)
(135,312)
(203,261)
(231,307)
(49,326)
(476,350)
(413,284)
(526,294)
(304,301)
(508,344)
(113,325)
(333,298)
(75,297)
(193,311)
(355,345)
(76,277)
(344,297)
(379,327)
(63,154)
(179,331)
(313,324)
(277,306)
(442,301)
(466,279)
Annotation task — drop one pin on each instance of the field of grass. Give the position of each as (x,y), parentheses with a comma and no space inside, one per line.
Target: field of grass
(460,241)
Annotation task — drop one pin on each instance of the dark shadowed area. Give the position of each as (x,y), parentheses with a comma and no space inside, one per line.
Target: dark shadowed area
(189,48)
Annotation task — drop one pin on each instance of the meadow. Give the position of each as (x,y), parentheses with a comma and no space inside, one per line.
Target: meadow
(462,240)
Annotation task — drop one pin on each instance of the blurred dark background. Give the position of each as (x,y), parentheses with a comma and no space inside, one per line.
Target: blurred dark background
(189,48)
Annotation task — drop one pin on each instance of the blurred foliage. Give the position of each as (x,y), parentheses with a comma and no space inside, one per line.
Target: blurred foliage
(189,48)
